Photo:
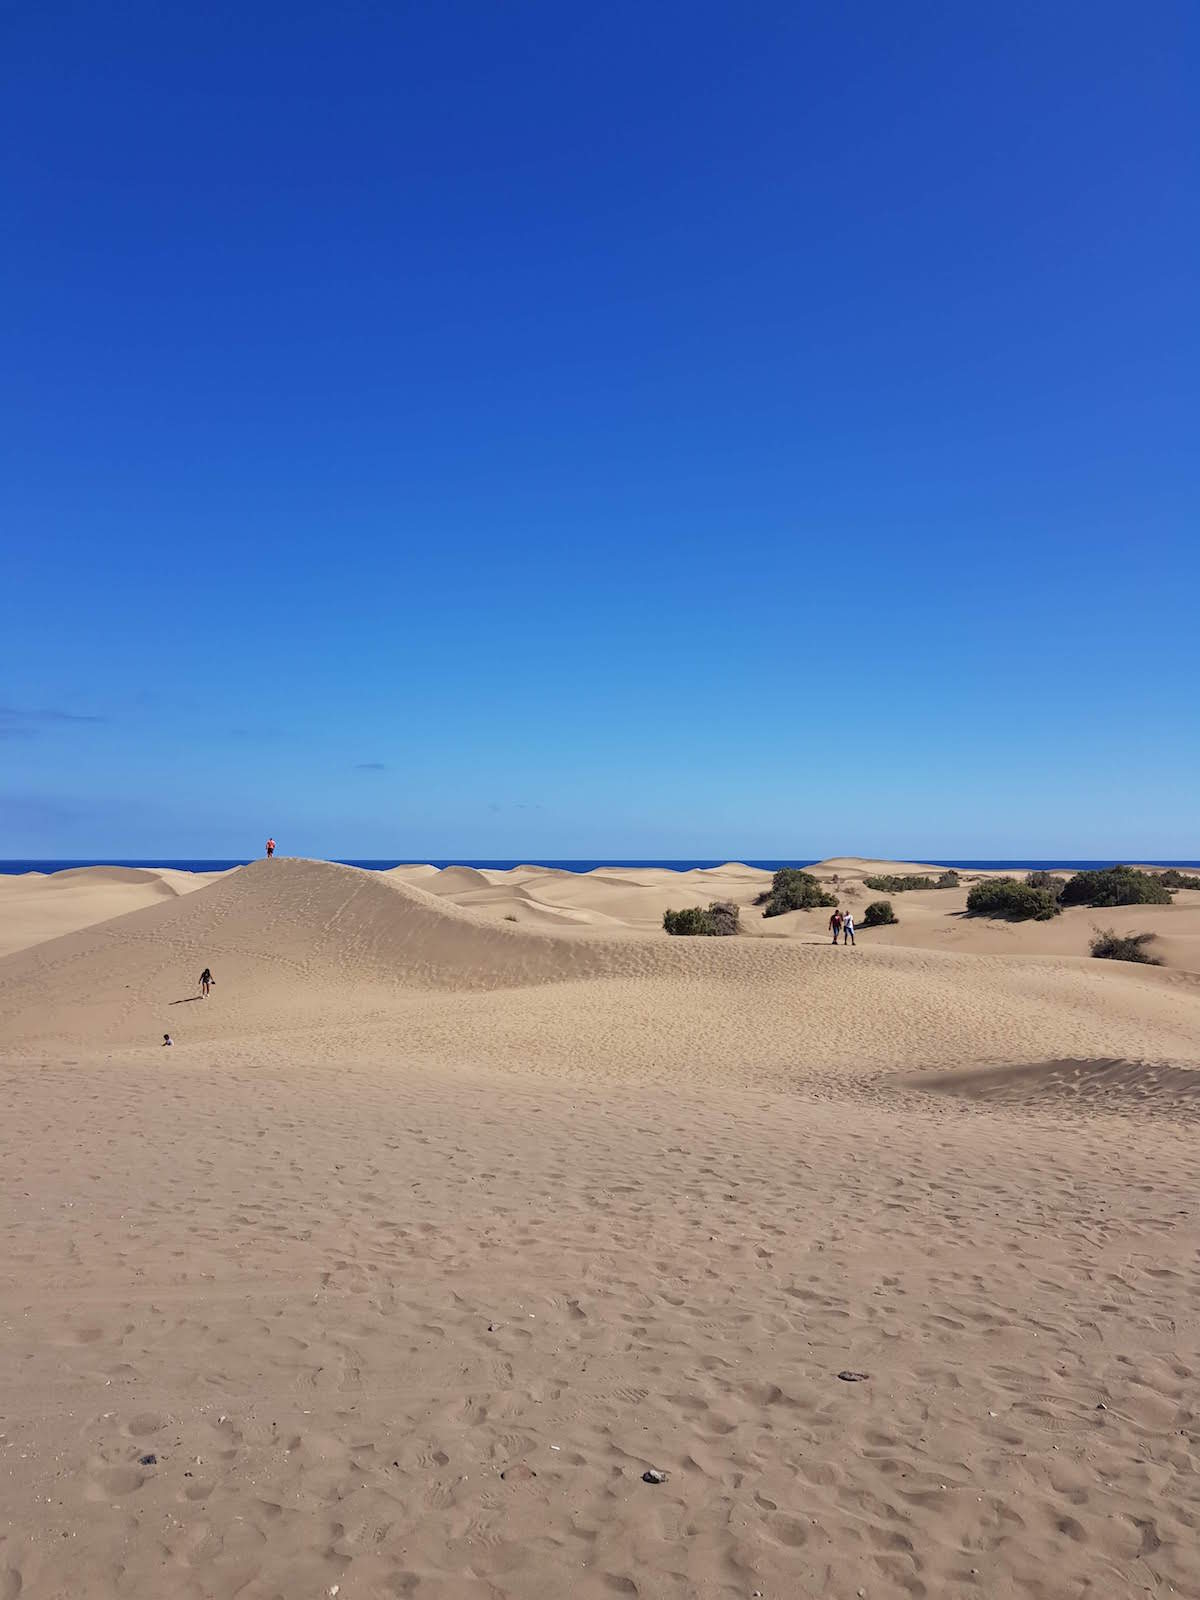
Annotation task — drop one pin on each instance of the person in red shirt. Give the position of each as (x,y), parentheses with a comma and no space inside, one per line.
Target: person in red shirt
(270,848)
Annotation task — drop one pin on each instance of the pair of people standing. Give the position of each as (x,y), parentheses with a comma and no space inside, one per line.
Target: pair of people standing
(842,922)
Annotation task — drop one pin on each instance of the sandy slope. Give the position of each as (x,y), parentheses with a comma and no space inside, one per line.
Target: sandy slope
(435,1230)
(36,906)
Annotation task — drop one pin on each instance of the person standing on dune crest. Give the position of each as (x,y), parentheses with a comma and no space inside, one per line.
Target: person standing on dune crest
(835,922)
(270,848)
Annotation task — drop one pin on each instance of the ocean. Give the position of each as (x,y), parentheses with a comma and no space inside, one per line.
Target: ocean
(198,865)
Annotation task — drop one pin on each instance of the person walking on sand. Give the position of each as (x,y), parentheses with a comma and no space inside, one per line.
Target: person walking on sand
(835,922)
(848,928)
(270,848)
(206,982)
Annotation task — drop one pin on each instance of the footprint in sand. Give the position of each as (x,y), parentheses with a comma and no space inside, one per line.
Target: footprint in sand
(145,1422)
(108,1481)
(73,1336)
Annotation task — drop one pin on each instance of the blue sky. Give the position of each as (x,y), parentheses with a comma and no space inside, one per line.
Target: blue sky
(618,431)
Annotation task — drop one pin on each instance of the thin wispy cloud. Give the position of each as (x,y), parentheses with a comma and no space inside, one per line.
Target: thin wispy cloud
(369,766)
(20,717)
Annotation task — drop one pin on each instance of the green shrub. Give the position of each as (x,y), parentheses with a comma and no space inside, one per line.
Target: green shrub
(878,913)
(1111,946)
(1172,878)
(897,883)
(690,920)
(893,884)
(1115,886)
(1044,880)
(1005,897)
(718,920)
(793,890)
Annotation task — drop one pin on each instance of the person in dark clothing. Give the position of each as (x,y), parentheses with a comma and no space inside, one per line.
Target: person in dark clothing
(206,982)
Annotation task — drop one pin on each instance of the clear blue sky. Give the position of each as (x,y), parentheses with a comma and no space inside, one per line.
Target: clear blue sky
(625,430)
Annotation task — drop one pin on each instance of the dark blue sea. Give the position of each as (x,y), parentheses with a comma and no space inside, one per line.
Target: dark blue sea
(198,865)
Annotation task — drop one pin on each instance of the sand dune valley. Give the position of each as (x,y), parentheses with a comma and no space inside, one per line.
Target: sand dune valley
(470,1198)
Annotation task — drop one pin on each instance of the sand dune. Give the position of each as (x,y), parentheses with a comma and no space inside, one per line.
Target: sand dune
(456,880)
(300,941)
(419,874)
(1107,1085)
(435,1231)
(635,898)
(35,907)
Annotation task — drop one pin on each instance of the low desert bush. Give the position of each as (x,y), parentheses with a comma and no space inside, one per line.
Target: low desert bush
(1018,902)
(1044,880)
(1110,946)
(897,883)
(724,917)
(878,913)
(1172,878)
(793,890)
(1115,886)
(893,883)
(717,920)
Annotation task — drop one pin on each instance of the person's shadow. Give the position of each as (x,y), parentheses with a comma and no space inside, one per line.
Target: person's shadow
(186,1001)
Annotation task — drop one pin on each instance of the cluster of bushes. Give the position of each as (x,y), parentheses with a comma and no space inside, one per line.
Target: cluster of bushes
(1172,878)
(890,883)
(793,890)
(1044,880)
(1116,886)
(878,913)
(1110,946)
(718,919)
(1019,902)
(1042,895)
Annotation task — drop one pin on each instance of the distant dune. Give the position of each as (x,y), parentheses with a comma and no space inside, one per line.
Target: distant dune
(35,907)
(294,942)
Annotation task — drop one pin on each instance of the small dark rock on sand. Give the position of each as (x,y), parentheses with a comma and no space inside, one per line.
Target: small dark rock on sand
(854,1377)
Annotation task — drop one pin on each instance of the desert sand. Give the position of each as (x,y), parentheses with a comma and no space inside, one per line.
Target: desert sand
(37,906)
(468,1198)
